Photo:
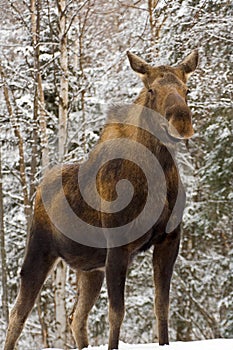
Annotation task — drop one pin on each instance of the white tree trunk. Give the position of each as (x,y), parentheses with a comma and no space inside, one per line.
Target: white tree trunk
(4,297)
(60,271)
(63,96)
(60,305)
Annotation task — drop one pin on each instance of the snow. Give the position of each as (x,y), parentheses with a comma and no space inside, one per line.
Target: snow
(212,344)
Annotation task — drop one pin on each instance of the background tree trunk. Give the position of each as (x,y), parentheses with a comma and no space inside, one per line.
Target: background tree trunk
(60,305)
(22,164)
(63,94)
(38,118)
(5,307)
(61,268)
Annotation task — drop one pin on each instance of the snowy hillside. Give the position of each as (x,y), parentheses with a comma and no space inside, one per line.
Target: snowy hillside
(213,344)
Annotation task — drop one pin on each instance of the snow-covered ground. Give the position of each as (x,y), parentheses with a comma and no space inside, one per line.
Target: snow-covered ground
(213,344)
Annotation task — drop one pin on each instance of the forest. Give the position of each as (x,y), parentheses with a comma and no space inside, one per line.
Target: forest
(63,63)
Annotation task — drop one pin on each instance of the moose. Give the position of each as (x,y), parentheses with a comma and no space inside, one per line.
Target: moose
(136,150)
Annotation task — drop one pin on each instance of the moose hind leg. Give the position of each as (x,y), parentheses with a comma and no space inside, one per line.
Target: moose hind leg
(37,263)
(164,257)
(116,270)
(89,286)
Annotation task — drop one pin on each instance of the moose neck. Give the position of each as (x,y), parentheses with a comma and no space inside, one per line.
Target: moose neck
(139,122)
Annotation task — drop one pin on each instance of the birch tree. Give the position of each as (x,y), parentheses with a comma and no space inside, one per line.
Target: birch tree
(63,93)
(39,112)
(60,271)
(22,164)
(39,117)
(5,308)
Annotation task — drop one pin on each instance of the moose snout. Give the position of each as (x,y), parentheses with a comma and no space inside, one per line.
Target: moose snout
(179,121)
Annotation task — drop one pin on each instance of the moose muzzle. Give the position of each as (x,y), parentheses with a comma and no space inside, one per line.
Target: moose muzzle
(179,117)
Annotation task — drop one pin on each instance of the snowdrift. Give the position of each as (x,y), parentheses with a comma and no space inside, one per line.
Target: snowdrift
(212,344)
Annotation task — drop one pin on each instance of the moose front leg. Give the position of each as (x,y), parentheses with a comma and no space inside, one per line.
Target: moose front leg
(116,269)
(164,257)
(89,285)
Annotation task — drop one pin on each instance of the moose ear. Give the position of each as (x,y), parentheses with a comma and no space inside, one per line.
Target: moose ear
(140,66)
(189,64)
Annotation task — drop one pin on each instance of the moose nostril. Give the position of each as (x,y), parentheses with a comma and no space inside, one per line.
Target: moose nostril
(180,121)
(178,111)
(168,113)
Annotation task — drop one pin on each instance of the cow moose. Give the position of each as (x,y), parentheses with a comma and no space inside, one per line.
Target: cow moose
(136,146)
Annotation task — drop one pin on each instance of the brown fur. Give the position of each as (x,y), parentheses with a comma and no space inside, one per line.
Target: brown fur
(165,92)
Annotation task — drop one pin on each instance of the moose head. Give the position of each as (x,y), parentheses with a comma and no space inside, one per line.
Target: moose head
(166,92)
